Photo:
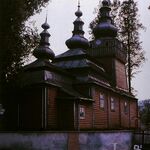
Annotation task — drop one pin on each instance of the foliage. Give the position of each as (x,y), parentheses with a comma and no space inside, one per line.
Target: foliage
(125,17)
(96,20)
(129,34)
(16,38)
(144,111)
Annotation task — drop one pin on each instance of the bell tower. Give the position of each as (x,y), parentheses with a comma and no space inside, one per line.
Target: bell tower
(108,50)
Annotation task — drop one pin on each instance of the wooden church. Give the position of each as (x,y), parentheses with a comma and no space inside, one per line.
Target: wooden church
(84,88)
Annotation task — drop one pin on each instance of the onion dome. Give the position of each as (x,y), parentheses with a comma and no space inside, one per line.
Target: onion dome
(105,28)
(43,51)
(78,40)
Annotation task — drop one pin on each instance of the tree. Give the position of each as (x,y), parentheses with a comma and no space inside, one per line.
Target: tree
(129,34)
(16,38)
(144,111)
(125,17)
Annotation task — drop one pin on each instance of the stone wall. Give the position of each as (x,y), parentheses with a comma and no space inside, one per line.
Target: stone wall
(66,141)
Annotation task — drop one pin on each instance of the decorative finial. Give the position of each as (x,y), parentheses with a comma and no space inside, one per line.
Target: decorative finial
(78,40)
(46,16)
(78,13)
(106,2)
(46,26)
(43,51)
(78,3)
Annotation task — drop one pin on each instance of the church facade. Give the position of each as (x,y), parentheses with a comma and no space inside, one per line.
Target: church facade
(84,88)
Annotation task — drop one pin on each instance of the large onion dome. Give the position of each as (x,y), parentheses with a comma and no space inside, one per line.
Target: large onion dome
(105,28)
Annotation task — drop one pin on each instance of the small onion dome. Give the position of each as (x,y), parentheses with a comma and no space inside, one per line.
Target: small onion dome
(105,28)
(78,13)
(43,51)
(78,40)
(45,26)
(106,3)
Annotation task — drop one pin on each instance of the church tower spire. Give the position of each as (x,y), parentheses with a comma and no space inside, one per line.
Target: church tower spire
(78,40)
(43,51)
(105,27)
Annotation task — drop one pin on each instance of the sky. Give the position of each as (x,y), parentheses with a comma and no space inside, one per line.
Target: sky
(61,16)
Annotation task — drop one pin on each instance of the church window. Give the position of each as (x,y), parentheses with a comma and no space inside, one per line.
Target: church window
(101,101)
(125,107)
(82,112)
(112,104)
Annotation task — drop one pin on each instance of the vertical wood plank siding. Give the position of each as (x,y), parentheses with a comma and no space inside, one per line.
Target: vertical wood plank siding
(52,108)
(100,119)
(86,123)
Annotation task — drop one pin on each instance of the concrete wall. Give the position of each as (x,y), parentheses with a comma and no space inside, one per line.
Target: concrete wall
(66,141)
(33,141)
(105,141)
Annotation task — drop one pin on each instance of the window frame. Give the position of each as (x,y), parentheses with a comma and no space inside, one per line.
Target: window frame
(126,107)
(82,112)
(112,104)
(102,101)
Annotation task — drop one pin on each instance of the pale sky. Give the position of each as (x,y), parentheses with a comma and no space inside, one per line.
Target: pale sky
(61,16)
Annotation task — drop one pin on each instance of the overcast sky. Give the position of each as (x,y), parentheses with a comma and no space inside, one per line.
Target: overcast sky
(61,17)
